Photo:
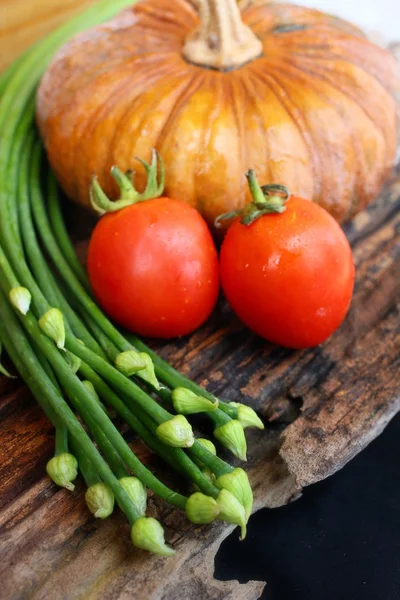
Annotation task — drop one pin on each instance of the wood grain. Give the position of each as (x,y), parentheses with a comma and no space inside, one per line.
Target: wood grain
(322,406)
(23,22)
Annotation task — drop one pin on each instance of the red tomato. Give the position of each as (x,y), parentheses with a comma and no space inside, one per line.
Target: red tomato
(153,267)
(289,276)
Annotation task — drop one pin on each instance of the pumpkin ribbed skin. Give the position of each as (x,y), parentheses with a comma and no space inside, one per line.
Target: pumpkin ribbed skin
(315,113)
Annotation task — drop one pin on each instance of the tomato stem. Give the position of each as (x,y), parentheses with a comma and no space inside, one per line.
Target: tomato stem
(128,193)
(255,189)
(266,199)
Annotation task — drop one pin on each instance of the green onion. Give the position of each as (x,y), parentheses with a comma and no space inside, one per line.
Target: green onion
(17,344)
(59,339)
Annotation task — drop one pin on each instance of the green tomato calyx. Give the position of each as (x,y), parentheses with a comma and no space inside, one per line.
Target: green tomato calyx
(128,193)
(266,200)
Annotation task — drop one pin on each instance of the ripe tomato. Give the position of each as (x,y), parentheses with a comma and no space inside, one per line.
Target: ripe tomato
(289,276)
(153,267)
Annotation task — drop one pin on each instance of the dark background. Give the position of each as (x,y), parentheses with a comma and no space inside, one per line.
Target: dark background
(340,541)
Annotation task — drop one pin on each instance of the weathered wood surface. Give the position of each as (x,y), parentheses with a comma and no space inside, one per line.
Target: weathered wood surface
(323,406)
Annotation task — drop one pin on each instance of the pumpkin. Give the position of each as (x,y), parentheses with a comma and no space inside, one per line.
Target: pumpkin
(301,97)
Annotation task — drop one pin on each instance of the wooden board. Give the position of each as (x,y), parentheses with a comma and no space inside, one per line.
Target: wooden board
(323,406)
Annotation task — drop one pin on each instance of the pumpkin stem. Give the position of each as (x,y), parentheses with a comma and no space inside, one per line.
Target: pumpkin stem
(222,41)
(266,200)
(128,193)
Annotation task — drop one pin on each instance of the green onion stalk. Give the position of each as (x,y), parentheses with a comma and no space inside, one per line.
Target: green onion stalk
(102,482)
(97,362)
(163,371)
(43,275)
(229,433)
(77,363)
(232,439)
(80,397)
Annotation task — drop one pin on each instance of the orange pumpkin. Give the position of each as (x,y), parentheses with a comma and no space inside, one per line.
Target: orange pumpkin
(301,97)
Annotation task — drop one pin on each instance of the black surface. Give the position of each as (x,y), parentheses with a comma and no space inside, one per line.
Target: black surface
(340,541)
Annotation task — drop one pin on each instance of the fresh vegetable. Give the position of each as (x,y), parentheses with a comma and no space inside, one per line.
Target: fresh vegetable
(152,262)
(302,97)
(79,367)
(100,500)
(63,470)
(287,268)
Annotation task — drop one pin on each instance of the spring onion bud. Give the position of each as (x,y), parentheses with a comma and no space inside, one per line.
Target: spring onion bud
(147,373)
(209,446)
(247,416)
(148,534)
(231,435)
(20,298)
(136,492)
(129,362)
(232,511)
(187,403)
(176,432)
(73,361)
(201,509)
(237,483)
(100,500)
(63,470)
(52,324)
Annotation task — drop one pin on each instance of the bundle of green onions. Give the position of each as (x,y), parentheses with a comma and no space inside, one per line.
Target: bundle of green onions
(78,365)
